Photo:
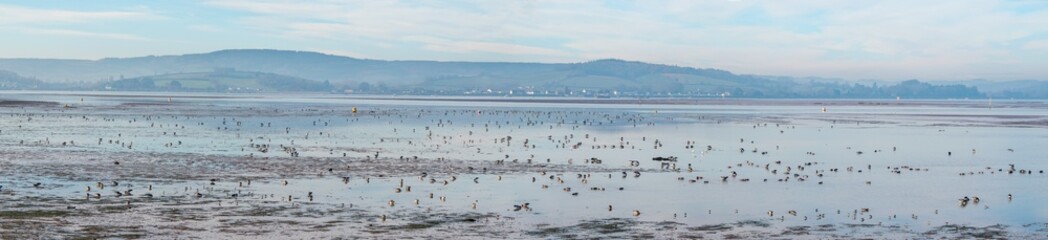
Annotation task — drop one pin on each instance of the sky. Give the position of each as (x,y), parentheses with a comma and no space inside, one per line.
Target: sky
(887,40)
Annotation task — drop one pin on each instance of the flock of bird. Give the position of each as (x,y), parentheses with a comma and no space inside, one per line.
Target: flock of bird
(505,136)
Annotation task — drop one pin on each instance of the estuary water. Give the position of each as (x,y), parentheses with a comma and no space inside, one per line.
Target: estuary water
(230,166)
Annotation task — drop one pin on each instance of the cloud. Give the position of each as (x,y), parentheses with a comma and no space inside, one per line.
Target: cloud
(446,29)
(66,23)
(445,45)
(893,39)
(77,33)
(1039,45)
(23,15)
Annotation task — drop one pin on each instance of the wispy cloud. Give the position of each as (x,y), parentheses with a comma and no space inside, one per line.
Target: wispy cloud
(67,23)
(77,33)
(1040,45)
(446,45)
(440,28)
(21,15)
(893,39)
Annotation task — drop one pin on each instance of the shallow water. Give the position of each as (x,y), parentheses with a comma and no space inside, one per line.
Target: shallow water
(908,176)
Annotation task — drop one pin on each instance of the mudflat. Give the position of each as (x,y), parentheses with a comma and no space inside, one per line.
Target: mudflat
(88,165)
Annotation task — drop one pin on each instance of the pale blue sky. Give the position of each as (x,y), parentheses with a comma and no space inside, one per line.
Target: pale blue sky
(890,40)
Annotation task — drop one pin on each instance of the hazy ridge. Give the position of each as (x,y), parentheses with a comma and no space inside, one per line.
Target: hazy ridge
(278,70)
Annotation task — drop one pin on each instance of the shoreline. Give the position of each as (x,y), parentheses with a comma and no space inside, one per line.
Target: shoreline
(974,103)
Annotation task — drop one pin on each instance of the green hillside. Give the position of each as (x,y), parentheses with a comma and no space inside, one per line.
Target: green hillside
(218,81)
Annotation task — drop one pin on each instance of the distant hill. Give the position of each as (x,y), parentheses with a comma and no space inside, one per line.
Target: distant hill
(613,74)
(1011,89)
(451,76)
(609,77)
(13,81)
(307,65)
(221,80)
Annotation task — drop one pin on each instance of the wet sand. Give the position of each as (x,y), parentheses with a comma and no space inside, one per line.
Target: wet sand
(241,168)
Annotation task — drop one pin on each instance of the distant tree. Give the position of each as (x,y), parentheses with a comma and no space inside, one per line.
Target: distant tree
(364,87)
(175,85)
